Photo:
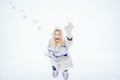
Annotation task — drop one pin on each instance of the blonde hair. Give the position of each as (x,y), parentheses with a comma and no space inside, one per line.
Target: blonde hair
(61,38)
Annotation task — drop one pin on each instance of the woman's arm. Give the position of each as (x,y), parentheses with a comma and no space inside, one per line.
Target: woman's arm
(69,37)
(51,52)
(61,51)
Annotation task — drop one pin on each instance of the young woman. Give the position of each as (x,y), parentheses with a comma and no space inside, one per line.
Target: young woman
(58,51)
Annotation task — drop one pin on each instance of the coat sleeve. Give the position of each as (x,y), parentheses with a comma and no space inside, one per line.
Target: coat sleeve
(61,52)
(51,52)
(68,40)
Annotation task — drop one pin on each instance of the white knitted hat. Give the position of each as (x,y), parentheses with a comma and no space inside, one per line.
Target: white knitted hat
(57,27)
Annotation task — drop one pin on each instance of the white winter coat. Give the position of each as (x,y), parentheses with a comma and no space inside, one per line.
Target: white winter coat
(63,62)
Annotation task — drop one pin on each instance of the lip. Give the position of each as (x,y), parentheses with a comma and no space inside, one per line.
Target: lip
(57,38)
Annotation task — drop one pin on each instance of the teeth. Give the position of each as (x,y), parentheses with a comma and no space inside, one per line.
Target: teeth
(57,38)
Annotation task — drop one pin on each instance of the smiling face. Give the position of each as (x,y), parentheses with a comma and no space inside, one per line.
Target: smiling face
(57,36)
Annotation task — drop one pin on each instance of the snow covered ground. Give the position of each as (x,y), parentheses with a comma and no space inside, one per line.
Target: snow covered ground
(27,25)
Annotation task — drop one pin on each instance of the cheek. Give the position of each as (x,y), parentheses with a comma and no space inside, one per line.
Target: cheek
(59,36)
(56,36)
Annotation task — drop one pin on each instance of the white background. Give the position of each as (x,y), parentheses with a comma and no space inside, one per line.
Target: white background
(95,51)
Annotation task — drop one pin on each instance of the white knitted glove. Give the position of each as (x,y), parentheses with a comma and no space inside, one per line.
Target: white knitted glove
(69,28)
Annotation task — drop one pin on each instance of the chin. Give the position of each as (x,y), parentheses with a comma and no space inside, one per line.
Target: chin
(57,41)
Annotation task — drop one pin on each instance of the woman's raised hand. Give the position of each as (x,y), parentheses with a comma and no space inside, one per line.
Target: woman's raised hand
(69,28)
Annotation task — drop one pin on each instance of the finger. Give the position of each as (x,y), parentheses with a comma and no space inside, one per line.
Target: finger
(72,25)
(66,27)
(69,24)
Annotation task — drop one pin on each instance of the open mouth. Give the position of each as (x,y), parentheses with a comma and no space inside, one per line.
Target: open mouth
(57,39)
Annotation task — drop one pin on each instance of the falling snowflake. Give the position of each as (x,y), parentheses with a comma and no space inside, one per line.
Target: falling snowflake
(13,7)
(39,28)
(35,21)
(22,10)
(10,3)
(25,16)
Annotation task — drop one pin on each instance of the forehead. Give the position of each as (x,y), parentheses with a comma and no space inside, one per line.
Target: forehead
(57,32)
